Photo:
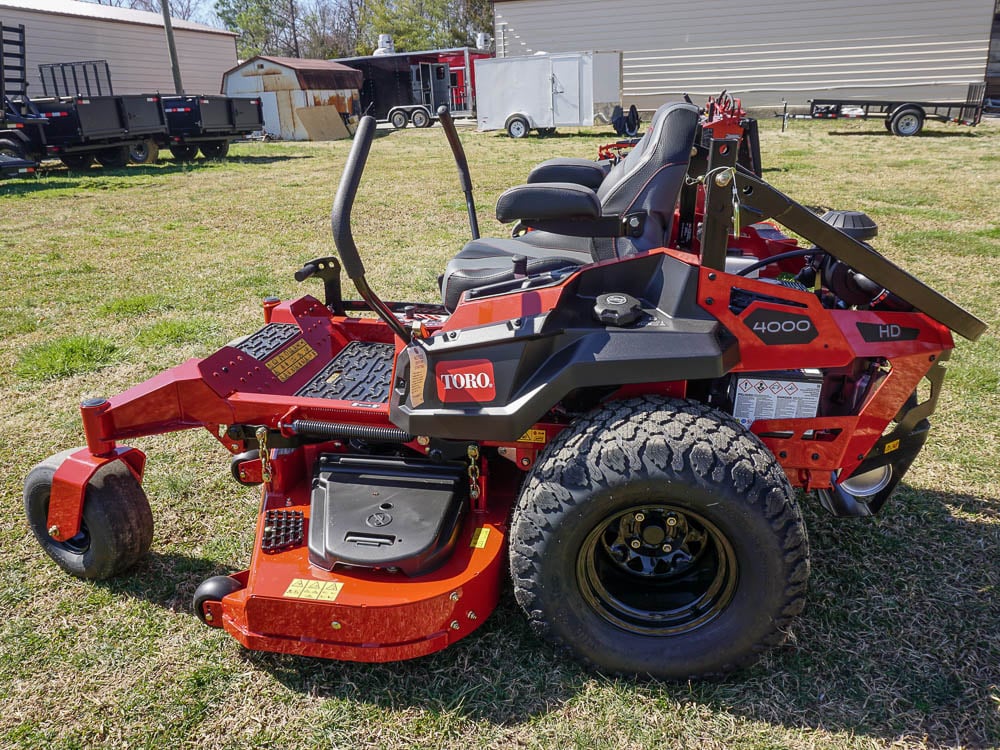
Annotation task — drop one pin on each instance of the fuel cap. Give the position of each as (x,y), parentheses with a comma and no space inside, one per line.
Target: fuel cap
(617,309)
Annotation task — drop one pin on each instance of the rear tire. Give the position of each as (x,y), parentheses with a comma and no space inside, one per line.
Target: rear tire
(420,118)
(517,127)
(117,525)
(398,119)
(632,122)
(113,157)
(907,122)
(184,153)
(147,152)
(659,537)
(215,150)
(77,162)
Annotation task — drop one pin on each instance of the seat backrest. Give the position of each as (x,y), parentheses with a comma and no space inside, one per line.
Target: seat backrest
(649,179)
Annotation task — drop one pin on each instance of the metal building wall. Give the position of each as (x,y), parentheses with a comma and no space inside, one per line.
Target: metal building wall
(767,50)
(136,53)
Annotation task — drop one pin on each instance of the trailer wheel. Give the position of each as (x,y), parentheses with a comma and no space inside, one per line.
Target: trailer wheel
(906,122)
(147,152)
(517,127)
(77,162)
(117,525)
(215,149)
(420,118)
(398,119)
(114,157)
(10,148)
(659,537)
(184,153)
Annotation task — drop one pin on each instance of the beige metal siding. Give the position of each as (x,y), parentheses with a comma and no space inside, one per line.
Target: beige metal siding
(137,54)
(767,50)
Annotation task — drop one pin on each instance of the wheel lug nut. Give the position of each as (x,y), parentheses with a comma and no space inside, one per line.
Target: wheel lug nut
(667,548)
(640,517)
(635,544)
(671,521)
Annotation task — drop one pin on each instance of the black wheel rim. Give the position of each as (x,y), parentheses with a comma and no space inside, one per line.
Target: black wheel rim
(657,570)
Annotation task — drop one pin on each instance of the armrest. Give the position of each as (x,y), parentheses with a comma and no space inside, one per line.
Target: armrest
(568,169)
(548,200)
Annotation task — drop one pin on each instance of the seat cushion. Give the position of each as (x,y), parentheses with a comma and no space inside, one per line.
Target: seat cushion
(488,261)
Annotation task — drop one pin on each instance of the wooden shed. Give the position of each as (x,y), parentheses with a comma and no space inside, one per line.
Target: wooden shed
(765,51)
(303,100)
(132,41)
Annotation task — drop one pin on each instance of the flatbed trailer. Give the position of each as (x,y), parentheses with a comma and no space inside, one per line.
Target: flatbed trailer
(901,117)
(12,166)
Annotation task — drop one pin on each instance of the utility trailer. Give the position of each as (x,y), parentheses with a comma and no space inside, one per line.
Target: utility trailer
(209,123)
(904,118)
(543,92)
(408,87)
(19,133)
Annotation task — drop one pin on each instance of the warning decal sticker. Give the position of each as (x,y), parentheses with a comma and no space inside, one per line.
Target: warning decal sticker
(418,374)
(479,537)
(764,398)
(306,588)
(291,360)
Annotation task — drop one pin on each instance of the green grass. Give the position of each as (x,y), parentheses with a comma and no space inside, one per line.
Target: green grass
(899,643)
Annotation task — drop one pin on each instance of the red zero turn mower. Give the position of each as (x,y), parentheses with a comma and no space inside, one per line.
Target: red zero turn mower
(614,409)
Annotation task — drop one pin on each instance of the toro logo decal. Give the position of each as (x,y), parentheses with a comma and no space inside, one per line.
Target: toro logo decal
(465,380)
(778,327)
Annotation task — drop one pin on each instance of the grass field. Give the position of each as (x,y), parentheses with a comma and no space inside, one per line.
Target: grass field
(110,277)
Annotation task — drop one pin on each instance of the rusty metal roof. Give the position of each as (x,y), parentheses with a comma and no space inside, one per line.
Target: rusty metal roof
(315,74)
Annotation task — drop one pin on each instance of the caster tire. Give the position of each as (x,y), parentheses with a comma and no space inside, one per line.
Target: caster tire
(213,590)
(117,526)
(659,537)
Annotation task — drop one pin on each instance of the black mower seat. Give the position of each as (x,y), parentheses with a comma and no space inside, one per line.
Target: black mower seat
(646,182)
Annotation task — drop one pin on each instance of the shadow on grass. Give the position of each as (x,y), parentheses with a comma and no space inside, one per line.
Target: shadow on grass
(167,580)
(898,640)
(923,134)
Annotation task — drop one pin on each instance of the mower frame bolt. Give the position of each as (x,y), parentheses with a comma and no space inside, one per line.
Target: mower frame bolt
(336,625)
(471,615)
(724,178)
(454,596)
(53,530)
(454,625)
(525,461)
(208,617)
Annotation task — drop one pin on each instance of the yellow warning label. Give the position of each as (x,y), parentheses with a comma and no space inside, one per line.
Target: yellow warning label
(290,361)
(532,436)
(891,446)
(479,537)
(418,375)
(305,588)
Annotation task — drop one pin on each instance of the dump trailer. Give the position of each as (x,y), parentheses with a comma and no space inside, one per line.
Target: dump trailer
(12,166)
(408,87)
(209,123)
(902,117)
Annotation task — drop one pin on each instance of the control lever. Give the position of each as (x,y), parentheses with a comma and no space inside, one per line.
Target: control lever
(327,269)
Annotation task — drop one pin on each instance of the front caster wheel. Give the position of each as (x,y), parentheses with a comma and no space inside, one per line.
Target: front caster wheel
(659,537)
(117,525)
(213,590)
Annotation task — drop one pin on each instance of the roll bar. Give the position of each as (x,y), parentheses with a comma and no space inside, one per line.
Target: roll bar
(444,115)
(340,222)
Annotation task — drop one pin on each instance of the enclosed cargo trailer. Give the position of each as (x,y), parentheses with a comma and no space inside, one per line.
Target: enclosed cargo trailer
(543,92)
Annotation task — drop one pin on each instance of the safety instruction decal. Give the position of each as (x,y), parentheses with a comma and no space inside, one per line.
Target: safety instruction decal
(418,374)
(291,360)
(479,537)
(306,588)
(532,436)
(767,398)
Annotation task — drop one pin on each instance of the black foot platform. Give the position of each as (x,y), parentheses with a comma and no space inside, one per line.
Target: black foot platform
(361,372)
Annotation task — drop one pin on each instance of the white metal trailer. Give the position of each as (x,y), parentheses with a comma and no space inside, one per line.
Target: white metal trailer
(545,91)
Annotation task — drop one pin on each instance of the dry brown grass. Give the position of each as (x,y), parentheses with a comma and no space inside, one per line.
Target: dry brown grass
(899,643)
